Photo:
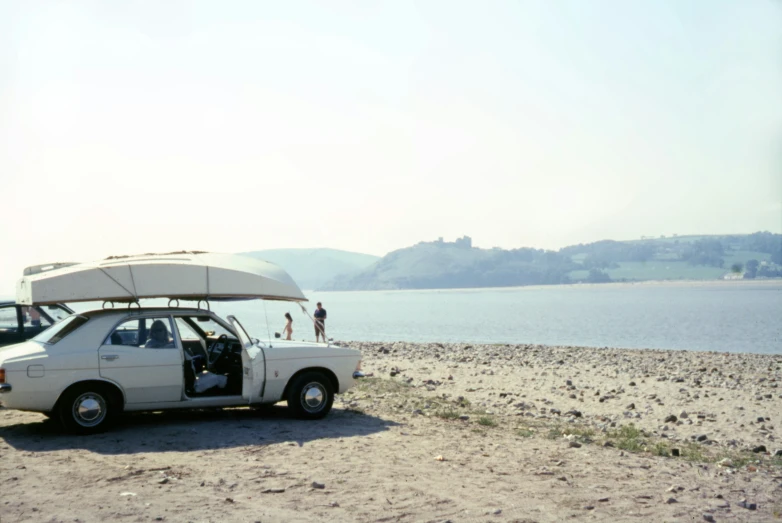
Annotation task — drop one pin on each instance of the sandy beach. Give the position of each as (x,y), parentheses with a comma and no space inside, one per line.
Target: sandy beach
(439,432)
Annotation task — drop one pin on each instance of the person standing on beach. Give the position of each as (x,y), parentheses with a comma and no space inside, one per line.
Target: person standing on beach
(32,315)
(35,317)
(320,323)
(288,329)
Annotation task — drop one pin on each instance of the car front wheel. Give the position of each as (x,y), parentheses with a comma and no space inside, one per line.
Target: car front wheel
(86,409)
(311,395)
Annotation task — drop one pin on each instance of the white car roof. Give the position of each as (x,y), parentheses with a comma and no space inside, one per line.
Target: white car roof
(191,276)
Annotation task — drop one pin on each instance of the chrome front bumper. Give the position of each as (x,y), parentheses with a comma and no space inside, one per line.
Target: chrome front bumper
(5,387)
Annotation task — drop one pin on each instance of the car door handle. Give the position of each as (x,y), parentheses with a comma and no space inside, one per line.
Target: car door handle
(109,357)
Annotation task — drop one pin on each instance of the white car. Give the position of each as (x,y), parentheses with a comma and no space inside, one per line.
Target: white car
(91,366)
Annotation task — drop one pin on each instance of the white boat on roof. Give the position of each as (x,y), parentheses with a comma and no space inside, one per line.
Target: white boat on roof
(184,275)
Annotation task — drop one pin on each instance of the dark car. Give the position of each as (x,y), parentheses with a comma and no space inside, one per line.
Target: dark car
(20,322)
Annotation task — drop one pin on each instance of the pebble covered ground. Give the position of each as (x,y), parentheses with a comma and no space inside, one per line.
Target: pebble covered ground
(717,399)
(437,433)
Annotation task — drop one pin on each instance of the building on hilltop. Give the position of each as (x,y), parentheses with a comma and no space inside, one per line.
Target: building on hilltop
(464,242)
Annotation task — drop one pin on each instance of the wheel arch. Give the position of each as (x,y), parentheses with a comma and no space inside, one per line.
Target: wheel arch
(326,371)
(112,387)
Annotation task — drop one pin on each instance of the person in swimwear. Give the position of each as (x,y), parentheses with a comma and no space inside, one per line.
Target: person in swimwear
(288,329)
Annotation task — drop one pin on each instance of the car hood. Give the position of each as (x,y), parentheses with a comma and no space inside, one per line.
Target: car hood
(21,351)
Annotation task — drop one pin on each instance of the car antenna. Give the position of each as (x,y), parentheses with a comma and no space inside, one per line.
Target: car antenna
(265,312)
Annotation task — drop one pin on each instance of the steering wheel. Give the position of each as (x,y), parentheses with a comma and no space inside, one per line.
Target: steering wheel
(226,349)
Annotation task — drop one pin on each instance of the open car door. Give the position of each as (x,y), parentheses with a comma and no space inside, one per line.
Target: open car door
(253,364)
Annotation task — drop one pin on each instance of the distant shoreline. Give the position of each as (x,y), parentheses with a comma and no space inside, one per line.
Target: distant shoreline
(644,283)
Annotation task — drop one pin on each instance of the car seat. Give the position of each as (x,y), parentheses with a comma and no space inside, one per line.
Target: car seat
(190,375)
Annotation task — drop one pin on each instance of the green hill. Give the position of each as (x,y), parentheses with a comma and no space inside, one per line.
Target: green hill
(312,268)
(438,265)
(444,265)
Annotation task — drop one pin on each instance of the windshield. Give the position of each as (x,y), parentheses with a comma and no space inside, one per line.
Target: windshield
(61,329)
(243,336)
(208,326)
(38,318)
(53,312)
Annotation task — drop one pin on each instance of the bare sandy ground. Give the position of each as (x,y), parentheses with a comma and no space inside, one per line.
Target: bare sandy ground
(459,433)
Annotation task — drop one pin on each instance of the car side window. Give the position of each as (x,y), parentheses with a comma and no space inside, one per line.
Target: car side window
(32,318)
(192,342)
(186,332)
(8,319)
(147,333)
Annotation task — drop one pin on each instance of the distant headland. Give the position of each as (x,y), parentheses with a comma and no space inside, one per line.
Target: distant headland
(443,264)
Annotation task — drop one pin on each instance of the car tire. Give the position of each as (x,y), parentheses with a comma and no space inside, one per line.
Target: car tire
(87,409)
(310,395)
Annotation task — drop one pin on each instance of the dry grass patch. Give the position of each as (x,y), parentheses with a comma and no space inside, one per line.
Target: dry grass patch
(628,437)
(448,414)
(572,432)
(487,421)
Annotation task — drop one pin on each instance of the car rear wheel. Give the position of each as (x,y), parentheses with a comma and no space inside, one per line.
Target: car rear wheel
(87,409)
(310,395)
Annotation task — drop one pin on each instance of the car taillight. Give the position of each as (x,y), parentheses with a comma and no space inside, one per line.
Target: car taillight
(2,375)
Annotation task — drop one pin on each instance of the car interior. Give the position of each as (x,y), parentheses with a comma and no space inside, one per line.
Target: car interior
(213,355)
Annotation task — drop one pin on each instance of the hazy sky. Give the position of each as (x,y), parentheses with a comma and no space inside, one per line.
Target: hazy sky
(130,127)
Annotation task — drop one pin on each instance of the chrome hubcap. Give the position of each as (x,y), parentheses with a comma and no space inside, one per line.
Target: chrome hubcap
(313,397)
(89,409)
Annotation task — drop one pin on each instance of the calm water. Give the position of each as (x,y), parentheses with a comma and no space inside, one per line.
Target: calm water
(719,316)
